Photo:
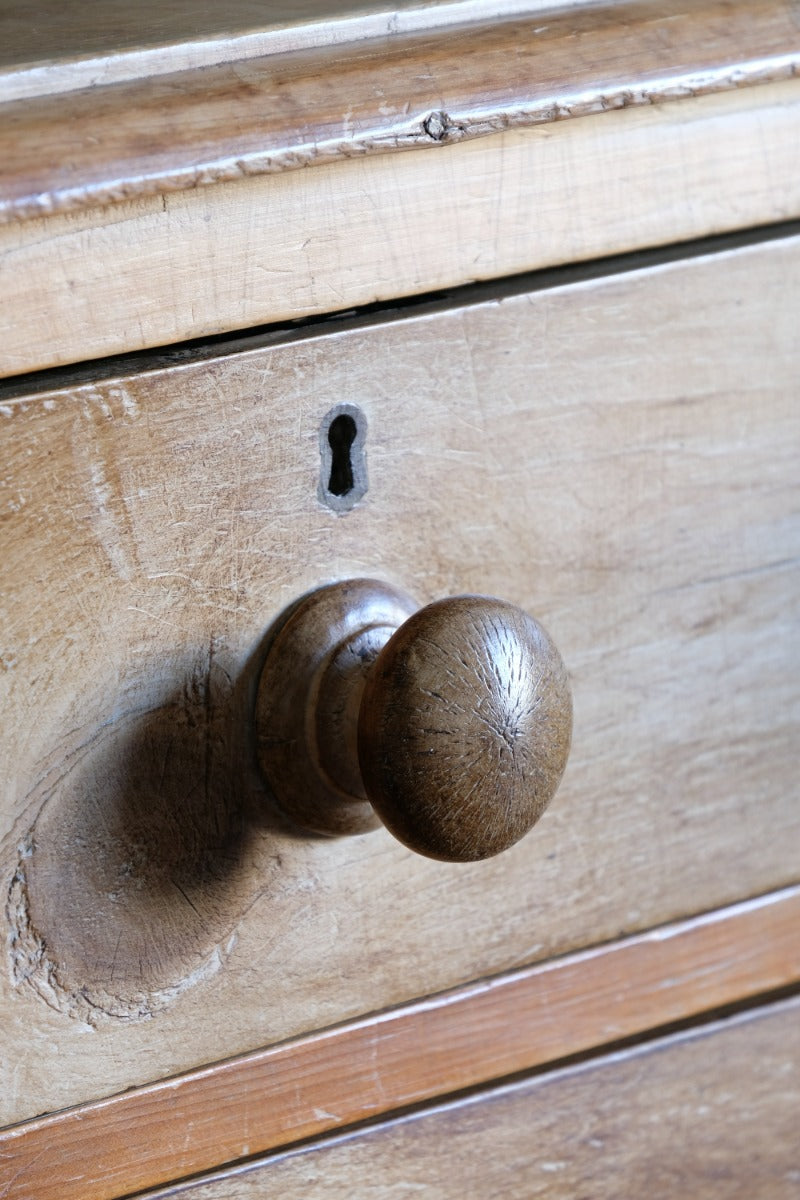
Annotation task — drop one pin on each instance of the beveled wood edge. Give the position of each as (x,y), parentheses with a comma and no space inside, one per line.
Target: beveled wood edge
(81,286)
(282,112)
(329,24)
(666,1042)
(368,1067)
(15,389)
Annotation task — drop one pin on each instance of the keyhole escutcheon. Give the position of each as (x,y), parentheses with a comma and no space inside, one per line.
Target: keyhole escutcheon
(343,466)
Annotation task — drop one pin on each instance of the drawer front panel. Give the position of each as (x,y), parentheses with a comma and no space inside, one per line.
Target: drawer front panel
(711,1113)
(617,455)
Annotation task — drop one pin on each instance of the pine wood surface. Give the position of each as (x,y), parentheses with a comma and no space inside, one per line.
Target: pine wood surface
(427,1049)
(615,455)
(96,146)
(709,1113)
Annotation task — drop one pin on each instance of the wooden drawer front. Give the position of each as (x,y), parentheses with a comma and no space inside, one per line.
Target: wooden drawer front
(618,455)
(709,1113)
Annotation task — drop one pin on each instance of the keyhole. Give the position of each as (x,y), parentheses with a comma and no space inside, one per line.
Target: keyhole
(341,435)
(343,470)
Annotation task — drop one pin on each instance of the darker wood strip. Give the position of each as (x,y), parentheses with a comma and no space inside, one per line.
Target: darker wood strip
(98,146)
(315,1084)
(726,1094)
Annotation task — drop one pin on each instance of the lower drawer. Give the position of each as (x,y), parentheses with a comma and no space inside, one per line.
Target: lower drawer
(708,1113)
(616,453)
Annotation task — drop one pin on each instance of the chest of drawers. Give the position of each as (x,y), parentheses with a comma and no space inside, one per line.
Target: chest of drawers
(548,260)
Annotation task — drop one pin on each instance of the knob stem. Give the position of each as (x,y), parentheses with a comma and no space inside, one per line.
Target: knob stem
(335,704)
(309,693)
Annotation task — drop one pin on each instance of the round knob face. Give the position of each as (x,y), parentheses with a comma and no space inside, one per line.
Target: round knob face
(464,728)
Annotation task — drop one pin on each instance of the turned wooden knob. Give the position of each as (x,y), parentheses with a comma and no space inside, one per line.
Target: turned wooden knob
(452,723)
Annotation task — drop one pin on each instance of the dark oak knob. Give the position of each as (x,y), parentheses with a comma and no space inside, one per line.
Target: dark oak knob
(452,723)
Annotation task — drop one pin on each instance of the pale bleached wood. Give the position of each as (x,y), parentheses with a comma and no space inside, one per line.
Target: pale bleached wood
(616,455)
(273,248)
(101,145)
(710,1113)
(335,1078)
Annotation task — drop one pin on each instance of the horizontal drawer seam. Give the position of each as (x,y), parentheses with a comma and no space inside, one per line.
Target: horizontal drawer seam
(383,1062)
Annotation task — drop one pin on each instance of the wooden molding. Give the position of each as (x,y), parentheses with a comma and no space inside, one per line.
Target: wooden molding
(603,1128)
(157,270)
(383,1062)
(47,48)
(97,146)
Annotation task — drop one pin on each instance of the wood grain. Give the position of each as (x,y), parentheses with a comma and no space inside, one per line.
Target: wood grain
(451,722)
(464,728)
(304,729)
(273,248)
(432,1047)
(709,1113)
(51,47)
(98,146)
(615,454)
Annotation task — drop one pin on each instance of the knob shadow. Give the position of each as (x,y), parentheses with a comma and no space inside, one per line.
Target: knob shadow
(154,835)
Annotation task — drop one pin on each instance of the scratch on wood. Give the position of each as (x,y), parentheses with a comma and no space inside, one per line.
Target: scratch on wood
(442,127)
